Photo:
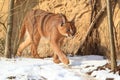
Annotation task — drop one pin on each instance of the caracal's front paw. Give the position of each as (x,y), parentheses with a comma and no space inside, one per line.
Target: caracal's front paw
(65,60)
(57,61)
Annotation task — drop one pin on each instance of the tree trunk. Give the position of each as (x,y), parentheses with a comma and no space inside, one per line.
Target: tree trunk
(112,42)
(18,18)
(8,47)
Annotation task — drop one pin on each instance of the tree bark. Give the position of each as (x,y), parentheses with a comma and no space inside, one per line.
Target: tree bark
(8,47)
(112,42)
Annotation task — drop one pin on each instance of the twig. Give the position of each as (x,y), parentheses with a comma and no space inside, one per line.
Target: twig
(83,13)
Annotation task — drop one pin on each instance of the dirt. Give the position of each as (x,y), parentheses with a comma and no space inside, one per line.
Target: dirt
(82,10)
(104,67)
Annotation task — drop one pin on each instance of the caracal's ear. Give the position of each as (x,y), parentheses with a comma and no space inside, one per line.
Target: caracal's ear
(63,19)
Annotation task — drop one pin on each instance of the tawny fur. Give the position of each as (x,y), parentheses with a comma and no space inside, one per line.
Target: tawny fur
(54,27)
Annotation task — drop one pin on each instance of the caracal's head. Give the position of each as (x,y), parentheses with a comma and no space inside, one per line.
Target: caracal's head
(67,28)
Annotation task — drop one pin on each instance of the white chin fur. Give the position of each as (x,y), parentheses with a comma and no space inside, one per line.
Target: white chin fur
(66,35)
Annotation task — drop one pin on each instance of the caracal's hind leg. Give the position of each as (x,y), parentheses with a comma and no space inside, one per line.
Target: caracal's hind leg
(34,45)
(34,52)
(23,45)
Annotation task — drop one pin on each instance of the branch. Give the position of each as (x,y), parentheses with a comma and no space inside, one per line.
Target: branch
(4,26)
(91,27)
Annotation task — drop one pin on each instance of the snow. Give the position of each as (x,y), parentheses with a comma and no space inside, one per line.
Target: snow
(45,69)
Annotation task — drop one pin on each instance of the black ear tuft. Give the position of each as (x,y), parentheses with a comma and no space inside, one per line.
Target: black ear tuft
(73,20)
